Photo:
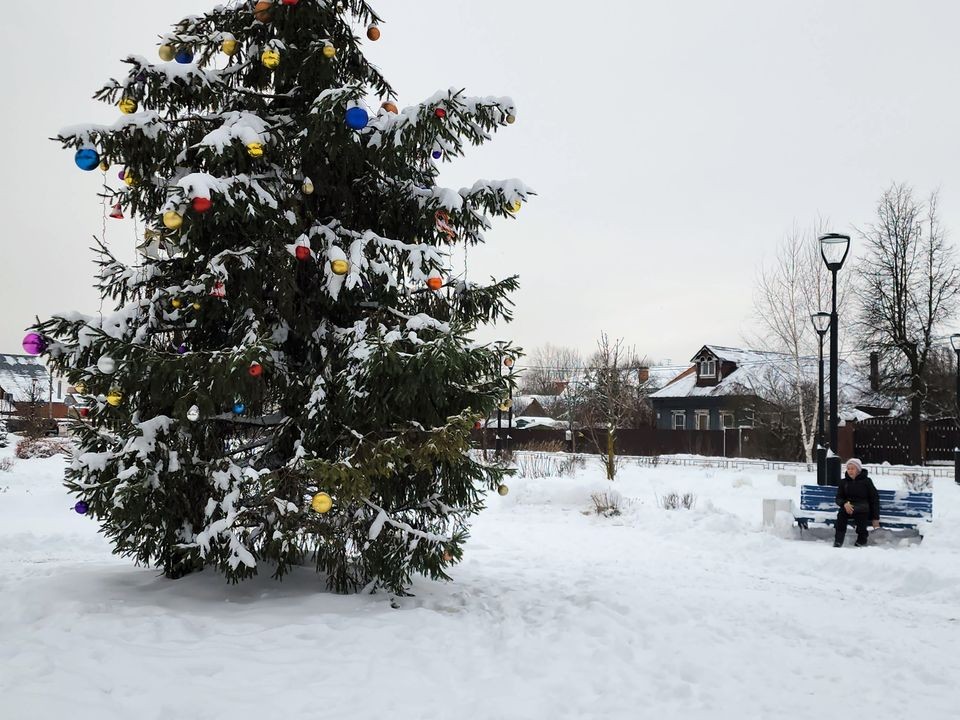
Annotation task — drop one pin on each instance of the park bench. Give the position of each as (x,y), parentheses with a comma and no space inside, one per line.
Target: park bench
(899,509)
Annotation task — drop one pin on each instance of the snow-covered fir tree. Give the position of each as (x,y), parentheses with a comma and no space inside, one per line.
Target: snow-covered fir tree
(288,376)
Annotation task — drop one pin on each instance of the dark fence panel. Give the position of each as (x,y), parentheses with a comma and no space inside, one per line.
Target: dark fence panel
(942,438)
(882,440)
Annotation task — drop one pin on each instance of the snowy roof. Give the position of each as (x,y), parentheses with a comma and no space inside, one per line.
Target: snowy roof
(765,374)
(17,374)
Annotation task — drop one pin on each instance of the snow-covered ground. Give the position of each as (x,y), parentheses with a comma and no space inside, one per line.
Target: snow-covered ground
(553,614)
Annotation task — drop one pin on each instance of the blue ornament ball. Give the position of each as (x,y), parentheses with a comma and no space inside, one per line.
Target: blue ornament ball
(357,118)
(239,409)
(87,159)
(437,154)
(81,507)
(184,56)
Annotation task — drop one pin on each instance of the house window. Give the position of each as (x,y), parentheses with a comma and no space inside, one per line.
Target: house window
(702,420)
(727,419)
(708,368)
(679,420)
(59,389)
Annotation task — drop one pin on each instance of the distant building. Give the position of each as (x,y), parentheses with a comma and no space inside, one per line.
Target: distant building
(25,380)
(730,387)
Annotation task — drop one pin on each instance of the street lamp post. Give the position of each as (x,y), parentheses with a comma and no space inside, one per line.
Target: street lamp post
(955,344)
(508,362)
(821,323)
(834,249)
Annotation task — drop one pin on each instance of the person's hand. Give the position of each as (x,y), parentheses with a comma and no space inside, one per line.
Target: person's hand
(848,506)
(876,524)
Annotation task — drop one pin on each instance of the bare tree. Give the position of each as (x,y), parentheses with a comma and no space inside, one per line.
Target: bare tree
(549,368)
(789,289)
(612,398)
(910,283)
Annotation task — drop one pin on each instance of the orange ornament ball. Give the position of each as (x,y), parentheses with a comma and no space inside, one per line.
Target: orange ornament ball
(261,11)
(435,283)
(373,33)
(390,107)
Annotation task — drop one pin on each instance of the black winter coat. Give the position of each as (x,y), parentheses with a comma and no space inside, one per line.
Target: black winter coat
(861,492)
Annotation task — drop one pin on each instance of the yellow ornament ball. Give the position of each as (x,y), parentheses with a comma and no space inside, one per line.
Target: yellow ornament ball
(503,490)
(80,388)
(321,503)
(127,105)
(104,166)
(329,51)
(255,149)
(511,119)
(339,267)
(167,52)
(308,186)
(196,306)
(129,178)
(270,59)
(514,206)
(172,219)
(229,47)
(114,397)
(177,303)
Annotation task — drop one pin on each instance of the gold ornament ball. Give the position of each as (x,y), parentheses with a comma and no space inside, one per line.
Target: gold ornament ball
(270,59)
(321,503)
(196,306)
(329,51)
(339,267)
(229,47)
(255,149)
(505,405)
(373,33)
(114,398)
(308,186)
(80,388)
(511,119)
(261,11)
(129,178)
(104,166)
(172,219)
(177,303)
(167,52)
(503,490)
(127,105)
(514,206)
(508,362)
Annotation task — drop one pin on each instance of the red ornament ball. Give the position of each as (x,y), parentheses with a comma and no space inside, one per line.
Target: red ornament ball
(440,113)
(303,253)
(256,369)
(289,2)
(201,204)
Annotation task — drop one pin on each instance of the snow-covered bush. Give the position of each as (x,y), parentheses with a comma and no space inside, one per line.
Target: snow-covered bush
(677,501)
(607,504)
(915,482)
(42,448)
(6,464)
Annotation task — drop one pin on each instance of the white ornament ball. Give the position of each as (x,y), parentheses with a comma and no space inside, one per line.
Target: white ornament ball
(193,414)
(106,365)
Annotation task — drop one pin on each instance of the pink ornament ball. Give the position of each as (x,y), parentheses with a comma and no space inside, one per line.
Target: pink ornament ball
(34,344)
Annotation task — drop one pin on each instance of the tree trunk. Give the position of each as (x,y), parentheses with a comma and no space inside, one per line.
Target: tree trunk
(611,454)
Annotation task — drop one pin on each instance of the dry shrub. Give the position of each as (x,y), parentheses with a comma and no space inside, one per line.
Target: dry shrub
(6,464)
(543,466)
(917,482)
(607,504)
(550,446)
(677,501)
(42,447)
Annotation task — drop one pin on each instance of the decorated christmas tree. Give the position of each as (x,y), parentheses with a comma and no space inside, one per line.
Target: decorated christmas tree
(288,376)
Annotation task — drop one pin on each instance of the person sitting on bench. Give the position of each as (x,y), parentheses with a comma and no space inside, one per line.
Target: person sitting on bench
(859,501)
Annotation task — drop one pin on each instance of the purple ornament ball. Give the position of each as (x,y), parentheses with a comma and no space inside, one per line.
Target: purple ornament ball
(34,344)
(182,349)
(81,507)
(437,154)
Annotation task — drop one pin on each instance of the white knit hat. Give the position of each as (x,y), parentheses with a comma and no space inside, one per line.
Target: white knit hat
(856,462)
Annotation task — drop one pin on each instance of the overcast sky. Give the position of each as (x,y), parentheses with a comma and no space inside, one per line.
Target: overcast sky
(672,144)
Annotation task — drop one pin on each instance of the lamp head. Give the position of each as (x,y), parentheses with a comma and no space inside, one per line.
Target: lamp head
(834,249)
(955,342)
(821,322)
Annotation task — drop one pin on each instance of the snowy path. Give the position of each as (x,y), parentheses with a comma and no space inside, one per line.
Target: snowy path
(553,614)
